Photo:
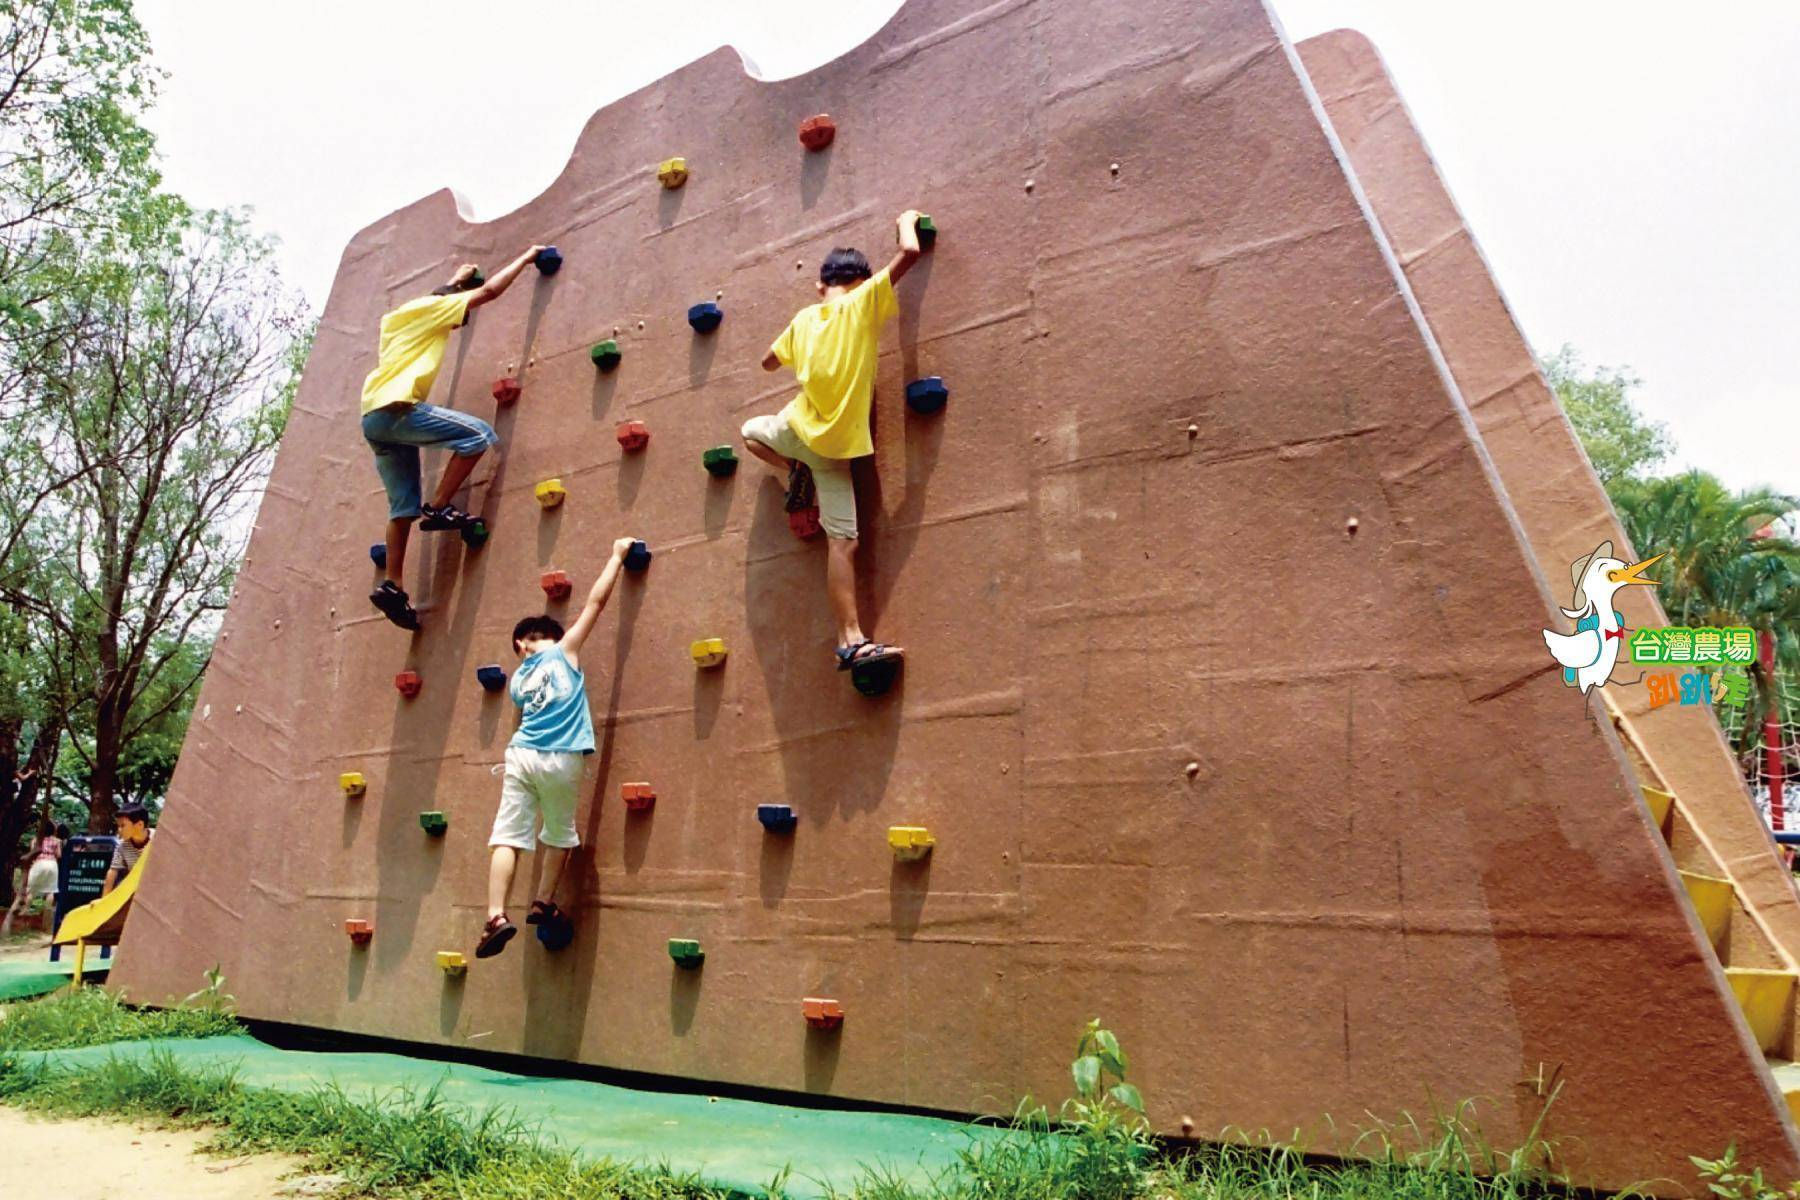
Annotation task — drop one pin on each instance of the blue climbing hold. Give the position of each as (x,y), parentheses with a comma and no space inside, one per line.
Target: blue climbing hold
(927,395)
(493,678)
(638,557)
(705,317)
(777,818)
(378,554)
(549,260)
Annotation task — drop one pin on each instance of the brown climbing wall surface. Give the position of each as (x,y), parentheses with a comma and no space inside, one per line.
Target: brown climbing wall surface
(1561,505)
(1404,866)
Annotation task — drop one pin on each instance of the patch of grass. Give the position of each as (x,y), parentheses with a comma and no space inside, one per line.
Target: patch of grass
(91,1016)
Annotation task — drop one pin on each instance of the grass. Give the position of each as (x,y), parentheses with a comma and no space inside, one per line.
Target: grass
(414,1144)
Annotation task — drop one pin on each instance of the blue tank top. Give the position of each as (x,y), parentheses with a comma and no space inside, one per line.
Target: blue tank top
(552,696)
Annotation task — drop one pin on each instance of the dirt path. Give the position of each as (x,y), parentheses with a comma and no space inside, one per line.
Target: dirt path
(35,946)
(99,1160)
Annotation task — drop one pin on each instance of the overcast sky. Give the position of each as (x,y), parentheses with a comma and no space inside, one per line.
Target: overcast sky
(1632,169)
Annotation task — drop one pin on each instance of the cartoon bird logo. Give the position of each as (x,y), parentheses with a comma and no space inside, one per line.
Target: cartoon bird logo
(1588,655)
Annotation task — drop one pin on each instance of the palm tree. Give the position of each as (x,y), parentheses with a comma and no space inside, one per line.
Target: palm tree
(1731,561)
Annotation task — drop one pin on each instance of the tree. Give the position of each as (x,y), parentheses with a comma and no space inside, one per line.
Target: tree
(160,415)
(1619,441)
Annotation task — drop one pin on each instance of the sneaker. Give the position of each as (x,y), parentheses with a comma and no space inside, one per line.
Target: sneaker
(395,605)
(801,494)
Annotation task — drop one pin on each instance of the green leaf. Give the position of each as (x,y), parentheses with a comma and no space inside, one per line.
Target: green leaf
(1086,1070)
(1128,1095)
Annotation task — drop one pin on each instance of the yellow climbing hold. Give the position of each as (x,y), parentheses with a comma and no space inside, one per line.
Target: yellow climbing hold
(351,783)
(550,493)
(910,843)
(451,962)
(673,172)
(708,652)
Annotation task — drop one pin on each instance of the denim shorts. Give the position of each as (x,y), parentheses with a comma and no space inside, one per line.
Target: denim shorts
(397,432)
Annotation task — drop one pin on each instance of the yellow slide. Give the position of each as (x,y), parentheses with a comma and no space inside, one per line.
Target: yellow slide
(101,921)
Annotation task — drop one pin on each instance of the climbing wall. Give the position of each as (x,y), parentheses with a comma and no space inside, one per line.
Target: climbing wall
(1224,708)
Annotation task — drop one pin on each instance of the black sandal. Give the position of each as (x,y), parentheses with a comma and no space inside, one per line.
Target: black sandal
(543,912)
(395,605)
(494,935)
(447,517)
(864,651)
(801,494)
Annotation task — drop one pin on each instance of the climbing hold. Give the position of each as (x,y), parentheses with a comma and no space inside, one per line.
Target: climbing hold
(605,354)
(708,652)
(720,460)
(873,676)
(360,931)
(409,683)
(910,843)
(550,493)
(686,952)
(633,435)
(506,390)
(637,796)
(927,232)
(816,132)
(556,584)
(1350,526)
(705,316)
(451,962)
(434,823)
(777,818)
(548,260)
(822,1012)
(378,554)
(673,172)
(491,677)
(927,395)
(556,931)
(352,784)
(476,535)
(638,557)
(805,523)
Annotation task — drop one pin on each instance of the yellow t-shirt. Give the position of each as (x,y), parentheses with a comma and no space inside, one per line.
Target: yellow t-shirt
(413,338)
(832,347)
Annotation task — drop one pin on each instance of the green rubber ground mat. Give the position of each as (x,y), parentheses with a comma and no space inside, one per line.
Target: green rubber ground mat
(733,1143)
(20,980)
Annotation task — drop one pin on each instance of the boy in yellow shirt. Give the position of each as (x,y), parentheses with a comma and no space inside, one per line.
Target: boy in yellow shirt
(833,347)
(397,423)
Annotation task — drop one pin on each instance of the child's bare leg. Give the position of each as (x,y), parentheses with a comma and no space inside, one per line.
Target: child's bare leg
(456,473)
(767,455)
(500,877)
(556,859)
(398,530)
(840,585)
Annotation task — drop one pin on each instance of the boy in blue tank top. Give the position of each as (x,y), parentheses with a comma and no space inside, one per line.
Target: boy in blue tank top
(545,759)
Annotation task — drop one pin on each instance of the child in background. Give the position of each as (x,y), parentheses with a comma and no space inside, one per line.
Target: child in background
(833,347)
(132,824)
(545,760)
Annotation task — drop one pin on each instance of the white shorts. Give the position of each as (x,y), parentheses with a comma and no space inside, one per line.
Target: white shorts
(41,880)
(540,784)
(831,476)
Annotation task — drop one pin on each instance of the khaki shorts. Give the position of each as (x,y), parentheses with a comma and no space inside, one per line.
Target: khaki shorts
(831,476)
(540,785)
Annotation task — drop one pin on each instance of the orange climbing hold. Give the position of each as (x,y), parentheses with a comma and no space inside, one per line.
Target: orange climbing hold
(506,391)
(633,435)
(556,584)
(408,683)
(822,1012)
(360,931)
(817,132)
(637,796)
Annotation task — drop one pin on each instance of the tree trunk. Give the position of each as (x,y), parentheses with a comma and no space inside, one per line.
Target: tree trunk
(103,783)
(15,808)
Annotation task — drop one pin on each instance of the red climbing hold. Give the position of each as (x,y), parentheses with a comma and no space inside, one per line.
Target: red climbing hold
(816,132)
(506,390)
(556,584)
(633,435)
(409,683)
(805,523)
(637,796)
(360,931)
(822,1012)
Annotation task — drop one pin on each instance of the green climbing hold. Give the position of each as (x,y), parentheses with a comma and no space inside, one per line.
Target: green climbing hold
(720,460)
(434,823)
(686,952)
(605,354)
